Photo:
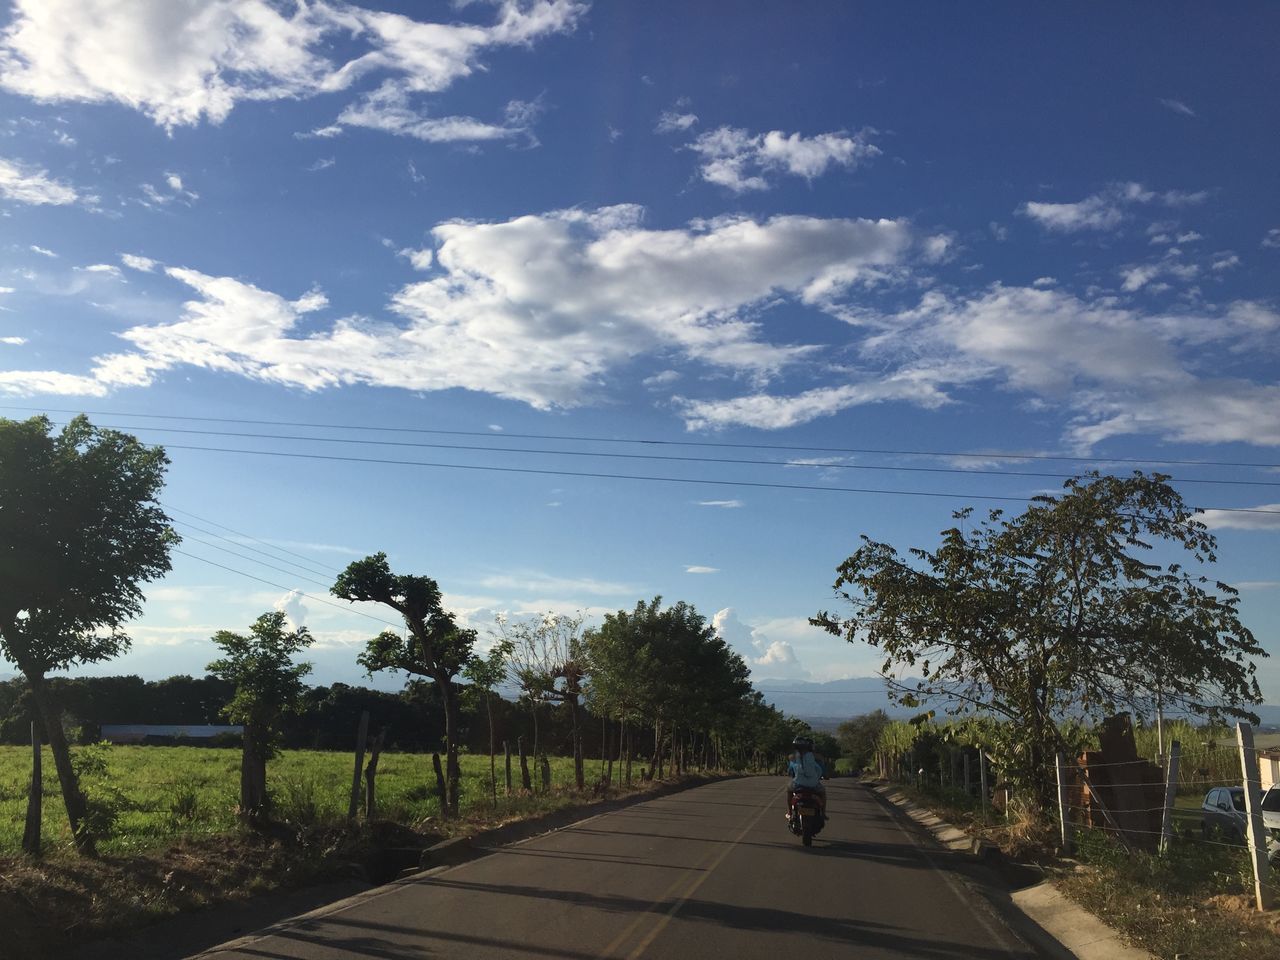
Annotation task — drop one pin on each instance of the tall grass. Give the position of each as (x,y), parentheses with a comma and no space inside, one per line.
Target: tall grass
(156,795)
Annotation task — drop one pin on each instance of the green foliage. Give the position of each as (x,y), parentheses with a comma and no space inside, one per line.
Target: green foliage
(268,684)
(80,532)
(1058,612)
(859,737)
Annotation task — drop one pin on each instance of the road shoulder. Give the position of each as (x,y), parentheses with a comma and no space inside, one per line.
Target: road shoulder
(1039,909)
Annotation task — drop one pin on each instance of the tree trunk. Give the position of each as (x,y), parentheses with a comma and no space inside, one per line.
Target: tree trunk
(35,797)
(452,773)
(441,790)
(71,795)
(658,743)
(579,777)
(626,746)
(253,774)
(493,764)
(371,776)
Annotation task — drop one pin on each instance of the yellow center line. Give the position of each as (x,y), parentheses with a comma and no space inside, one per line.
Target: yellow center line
(705,869)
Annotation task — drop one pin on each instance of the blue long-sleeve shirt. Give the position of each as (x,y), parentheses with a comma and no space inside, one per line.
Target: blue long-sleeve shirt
(805,770)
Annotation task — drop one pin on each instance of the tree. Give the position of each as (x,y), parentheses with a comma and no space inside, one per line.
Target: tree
(549,660)
(860,736)
(268,685)
(436,647)
(80,531)
(485,674)
(671,668)
(1060,612)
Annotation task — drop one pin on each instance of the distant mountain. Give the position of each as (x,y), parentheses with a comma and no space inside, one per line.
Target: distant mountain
(826,705)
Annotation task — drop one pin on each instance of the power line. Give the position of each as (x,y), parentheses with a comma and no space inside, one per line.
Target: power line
(666,457)
(238,533)
(278,586)
(657,479)
(262,563)
(680,443)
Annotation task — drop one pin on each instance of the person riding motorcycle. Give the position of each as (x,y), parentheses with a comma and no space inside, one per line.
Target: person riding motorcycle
(807,770)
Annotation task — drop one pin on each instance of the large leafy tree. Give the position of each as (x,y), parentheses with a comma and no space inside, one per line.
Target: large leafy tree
(268,685)
(434,645)
(1078,607)
(80,531)
(669,667)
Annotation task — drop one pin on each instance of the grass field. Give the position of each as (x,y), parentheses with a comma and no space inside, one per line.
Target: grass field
(161,794)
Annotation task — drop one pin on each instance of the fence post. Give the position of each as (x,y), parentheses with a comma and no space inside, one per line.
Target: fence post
(1253,811)
(361,736)
(1170,791)
(371,775)
(35,798)
(968,780)
(1064,811)
(506,758)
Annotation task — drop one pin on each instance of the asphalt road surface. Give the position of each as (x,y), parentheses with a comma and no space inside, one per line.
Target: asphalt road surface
(707,873)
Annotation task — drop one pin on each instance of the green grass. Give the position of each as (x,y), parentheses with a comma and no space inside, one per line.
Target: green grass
(163,794)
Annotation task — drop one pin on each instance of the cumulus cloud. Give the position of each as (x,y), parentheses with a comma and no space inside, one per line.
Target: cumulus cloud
(291,606)
(768,659)
(742,161)
(184,61)
(1234,520)
(23,184)
(1104,210)
(13,341)
(537,309)
(1272,239)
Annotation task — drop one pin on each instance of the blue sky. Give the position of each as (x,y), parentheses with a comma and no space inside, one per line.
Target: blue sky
(831,228)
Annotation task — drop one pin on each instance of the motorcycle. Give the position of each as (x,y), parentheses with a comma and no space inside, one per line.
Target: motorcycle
(804,814)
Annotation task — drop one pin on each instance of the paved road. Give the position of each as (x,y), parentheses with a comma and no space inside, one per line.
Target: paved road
(706,873)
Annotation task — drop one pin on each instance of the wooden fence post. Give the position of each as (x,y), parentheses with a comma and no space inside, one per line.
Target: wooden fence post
(506,756)
(526,782)
(1170,792)
(982,781)
(1064,810)
(362,734)
(1253,811)
(35,798)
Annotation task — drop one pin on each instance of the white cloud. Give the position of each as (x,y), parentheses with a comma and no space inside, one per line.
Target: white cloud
(673,122)
(695,568)
(13,341)
(1043,282)
(532,583)
(43,251)
(103,269)
(29,185)
(418,259)
(1177,106)
(135,262)
(291,606)
(661,379)
(1232,520)
(389,109)
(742,161)
(1113,370)
(183,61)
(536,309)
(722,504)
(1224,260)
(324,163)
(1105,210)
(768,659)
(1272,239)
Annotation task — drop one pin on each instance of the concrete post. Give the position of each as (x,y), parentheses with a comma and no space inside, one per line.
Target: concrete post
(1253,810)
(1170,791)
